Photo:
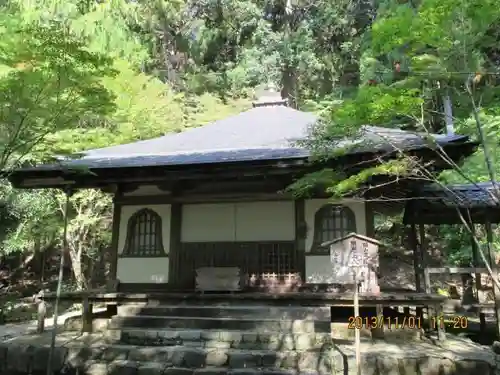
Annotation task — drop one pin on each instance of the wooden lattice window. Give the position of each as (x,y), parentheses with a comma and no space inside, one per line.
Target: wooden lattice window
(144,238)
(332,222)
(277,259)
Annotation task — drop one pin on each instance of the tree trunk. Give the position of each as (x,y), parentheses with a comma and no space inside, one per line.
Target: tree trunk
(289,82)
(76,266)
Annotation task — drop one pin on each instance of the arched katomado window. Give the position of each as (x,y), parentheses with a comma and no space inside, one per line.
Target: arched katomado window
(144,237)
(332,222)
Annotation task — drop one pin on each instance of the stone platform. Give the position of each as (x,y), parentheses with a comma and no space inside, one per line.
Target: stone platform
(96,354)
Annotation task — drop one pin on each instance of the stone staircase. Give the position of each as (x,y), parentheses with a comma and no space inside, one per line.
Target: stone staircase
(223,337)
(246,337)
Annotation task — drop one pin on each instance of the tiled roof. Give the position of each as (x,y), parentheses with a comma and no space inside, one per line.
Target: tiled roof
(478,195)
(261,133)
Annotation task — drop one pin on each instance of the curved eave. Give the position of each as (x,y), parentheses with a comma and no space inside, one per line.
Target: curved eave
(60,176)
(99,177)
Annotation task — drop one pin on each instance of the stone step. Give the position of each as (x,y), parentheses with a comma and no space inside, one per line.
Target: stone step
(187,322)
(89,356)
(194,358)
(238,311)
(219,339)
(342,331)
(127,367)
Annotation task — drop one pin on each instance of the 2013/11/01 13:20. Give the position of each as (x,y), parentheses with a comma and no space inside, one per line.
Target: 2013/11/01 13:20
(411,322)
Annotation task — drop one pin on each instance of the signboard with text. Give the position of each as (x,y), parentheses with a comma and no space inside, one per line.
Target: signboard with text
(354,256)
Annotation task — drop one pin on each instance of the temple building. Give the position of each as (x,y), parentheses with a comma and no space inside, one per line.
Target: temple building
(213,196)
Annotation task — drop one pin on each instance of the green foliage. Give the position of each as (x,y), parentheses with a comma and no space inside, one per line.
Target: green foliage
(73,75)
(28,220)
(134,117)
(48,82)
(379,105)
(416,55)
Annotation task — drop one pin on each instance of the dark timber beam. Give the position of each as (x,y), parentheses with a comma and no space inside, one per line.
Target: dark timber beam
(494,267)
(201,198)
(423,258)
(300,235)
(175,242)
(416,257)
(115,235)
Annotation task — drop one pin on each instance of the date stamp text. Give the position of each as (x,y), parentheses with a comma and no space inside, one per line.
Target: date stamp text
(406,322)
(392,323)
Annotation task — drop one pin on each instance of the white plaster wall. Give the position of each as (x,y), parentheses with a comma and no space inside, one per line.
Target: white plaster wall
(208,222)
(313,205)
(245,221)
(265,221)
(144,270)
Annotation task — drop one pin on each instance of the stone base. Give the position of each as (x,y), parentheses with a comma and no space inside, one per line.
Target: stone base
(91,354)
(341,331)
(75,324)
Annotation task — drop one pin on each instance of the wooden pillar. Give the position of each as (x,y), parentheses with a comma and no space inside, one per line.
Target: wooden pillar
(476,263)
(423,255)
(378,332)
(115,233)
(424,275)
(482,322)
(496,290)
(41,313)
(406,310)
(300,236)
(416,256)
(432,311)
(174,277)
(87,315)
(438,316)
(475,255)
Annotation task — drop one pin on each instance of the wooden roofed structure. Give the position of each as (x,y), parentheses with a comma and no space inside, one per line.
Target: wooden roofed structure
(437,204)
(465,204)
(213,195)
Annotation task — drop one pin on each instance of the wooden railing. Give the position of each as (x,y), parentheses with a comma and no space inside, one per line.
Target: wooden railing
(482,308)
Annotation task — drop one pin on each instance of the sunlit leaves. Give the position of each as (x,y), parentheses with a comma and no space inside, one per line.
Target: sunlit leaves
(357,184)
(379,105)
(49,82)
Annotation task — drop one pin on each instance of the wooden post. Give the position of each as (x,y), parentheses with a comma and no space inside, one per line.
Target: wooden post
(438,311)
(475,264)
(475,257)
(87,315)
(378,332)
(416,265)
(416,256)
(41,315)
(423,267)
(357,337)
(496,291)
(427,283)
(406,310)
(422,254)
(482,322)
